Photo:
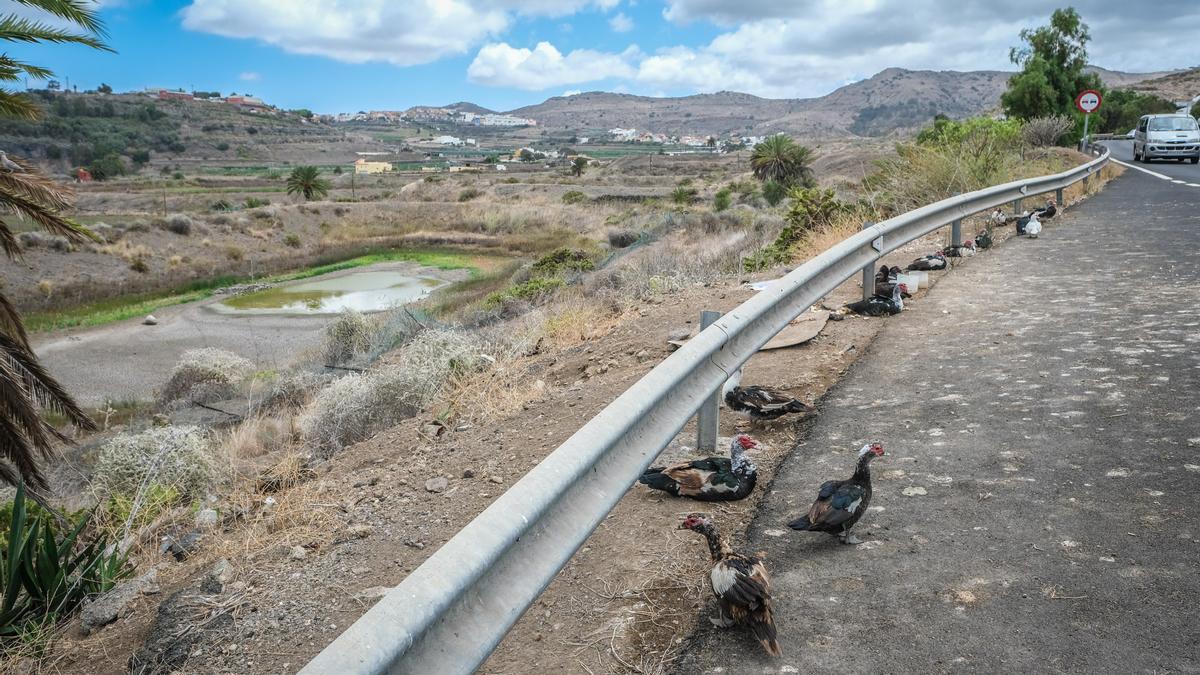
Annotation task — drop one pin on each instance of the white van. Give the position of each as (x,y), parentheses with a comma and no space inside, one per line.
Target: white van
(1166,137)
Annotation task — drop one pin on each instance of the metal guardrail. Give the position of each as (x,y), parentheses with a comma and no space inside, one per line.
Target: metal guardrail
(450,613)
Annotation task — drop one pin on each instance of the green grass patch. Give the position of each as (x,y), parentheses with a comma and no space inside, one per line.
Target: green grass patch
(128,307)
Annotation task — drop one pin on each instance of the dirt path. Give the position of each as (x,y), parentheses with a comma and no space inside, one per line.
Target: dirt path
(127,360)
(1038,508)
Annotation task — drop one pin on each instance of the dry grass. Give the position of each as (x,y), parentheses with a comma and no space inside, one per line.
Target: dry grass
(126,251)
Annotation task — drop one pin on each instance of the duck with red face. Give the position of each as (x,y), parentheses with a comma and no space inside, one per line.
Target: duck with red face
(713,479)
(841,503)
(740,582)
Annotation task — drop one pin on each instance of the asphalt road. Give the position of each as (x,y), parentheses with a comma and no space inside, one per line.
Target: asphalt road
(1180,171)
(1039,506)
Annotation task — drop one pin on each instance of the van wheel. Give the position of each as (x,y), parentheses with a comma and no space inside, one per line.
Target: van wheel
(1196,160)
(1137,157)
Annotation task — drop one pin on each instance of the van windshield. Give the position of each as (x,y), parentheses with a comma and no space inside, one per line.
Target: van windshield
(1180,123)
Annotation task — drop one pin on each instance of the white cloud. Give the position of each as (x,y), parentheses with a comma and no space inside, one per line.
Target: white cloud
(403,33)
(250,76)
(502,65)
(571,92)
(621,23)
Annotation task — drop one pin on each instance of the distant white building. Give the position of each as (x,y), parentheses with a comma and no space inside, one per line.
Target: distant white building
(623,134)
(448,140)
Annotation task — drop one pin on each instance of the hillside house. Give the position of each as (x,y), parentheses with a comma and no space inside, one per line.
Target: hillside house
(367,166)
(169,95)
(247,102)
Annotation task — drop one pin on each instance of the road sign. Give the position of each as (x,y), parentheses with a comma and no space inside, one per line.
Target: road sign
(1088,101)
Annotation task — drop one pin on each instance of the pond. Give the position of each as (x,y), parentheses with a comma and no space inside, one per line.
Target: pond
(368,291)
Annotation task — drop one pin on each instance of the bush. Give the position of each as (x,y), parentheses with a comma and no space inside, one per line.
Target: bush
(179,223)
(139,264)
(221,205)
(255,202)
(469,194)
(292,240)
(811,209)
(37,239)
(292,392)
(722,200)
(534,290)
(357,406)
(573,197)
(683,195)
(222,146)
(1040,132)
(773,191)
(108,166)
(205,375)
(234,252)
(176,458)
(563,260)
(622,238)
(347,336)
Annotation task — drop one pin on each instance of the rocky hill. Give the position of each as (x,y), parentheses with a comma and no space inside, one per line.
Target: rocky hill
(79,129)
(1183,85)
(892,100)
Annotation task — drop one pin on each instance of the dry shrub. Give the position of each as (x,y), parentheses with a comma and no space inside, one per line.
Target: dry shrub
(36,239)
(258,436)
(622,238)
(355,407)
(126,251)
(347,336)
(205,375)
(179,223)
(176,457)
(1041,132)
(292,392)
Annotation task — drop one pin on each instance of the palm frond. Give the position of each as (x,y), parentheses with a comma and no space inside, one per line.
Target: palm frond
(78,12)
(19,29)
(22,429)
(11,70)
(16,450)
(42,386)
(8,474)
(13,104)
(8,242)
(10,322)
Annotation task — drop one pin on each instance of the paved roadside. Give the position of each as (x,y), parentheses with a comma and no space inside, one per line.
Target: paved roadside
(1039,506)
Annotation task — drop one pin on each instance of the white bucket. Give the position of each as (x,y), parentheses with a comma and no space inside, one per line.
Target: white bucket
(922,278)
(910,281)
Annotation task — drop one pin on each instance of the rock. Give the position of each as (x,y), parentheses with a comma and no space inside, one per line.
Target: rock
(913,491)
(108,607)
(207,519)
(180,547)
(679,334)
(360,570)
(469,473)
(372,593)
(160,420)
(150,320)
(642,356)
(438,484)
(360,530)
(298,553)
(176,633)
(496,479)
(220,575)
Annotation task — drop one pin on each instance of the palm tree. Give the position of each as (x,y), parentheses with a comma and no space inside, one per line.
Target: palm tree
(26,389)
(578,165)
(306,180)
(781,159)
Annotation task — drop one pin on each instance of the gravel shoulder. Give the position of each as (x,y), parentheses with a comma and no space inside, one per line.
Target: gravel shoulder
(1038,508)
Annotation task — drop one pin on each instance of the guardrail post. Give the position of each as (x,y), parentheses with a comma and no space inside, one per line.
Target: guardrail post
(1058,197)
(956,233)
(868,273)
(710,411)
(1016,206)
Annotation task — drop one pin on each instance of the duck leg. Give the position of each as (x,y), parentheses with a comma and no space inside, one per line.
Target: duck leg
(849,539)
(722,620)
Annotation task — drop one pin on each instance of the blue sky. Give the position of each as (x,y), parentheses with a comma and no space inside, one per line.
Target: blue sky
(348,55)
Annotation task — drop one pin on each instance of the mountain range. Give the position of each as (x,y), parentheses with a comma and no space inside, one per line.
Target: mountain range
(893,100)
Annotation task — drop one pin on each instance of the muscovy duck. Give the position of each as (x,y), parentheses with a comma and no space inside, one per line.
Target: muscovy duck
(760,403)
(962,250)
(741,584)
(1046,211)
(713,479)
(983,240)
(886,279)
(841,503)
(1033,227)
(881,305)
(931,262)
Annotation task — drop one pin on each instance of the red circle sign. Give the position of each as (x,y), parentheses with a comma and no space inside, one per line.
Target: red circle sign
(1088,100)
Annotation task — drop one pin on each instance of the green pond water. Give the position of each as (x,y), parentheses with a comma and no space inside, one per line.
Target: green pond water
(368,291)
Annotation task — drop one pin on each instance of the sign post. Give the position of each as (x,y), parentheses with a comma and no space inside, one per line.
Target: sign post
(1088,101)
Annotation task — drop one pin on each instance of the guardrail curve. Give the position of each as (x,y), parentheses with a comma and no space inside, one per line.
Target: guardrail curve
(450,613)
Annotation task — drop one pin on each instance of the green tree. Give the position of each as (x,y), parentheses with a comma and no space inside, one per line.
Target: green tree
(578,166)
(1052,62)
(782,160)
(104,88)
(304,112)
(773,191)
(27,389)
(307,181)
(1122,108)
